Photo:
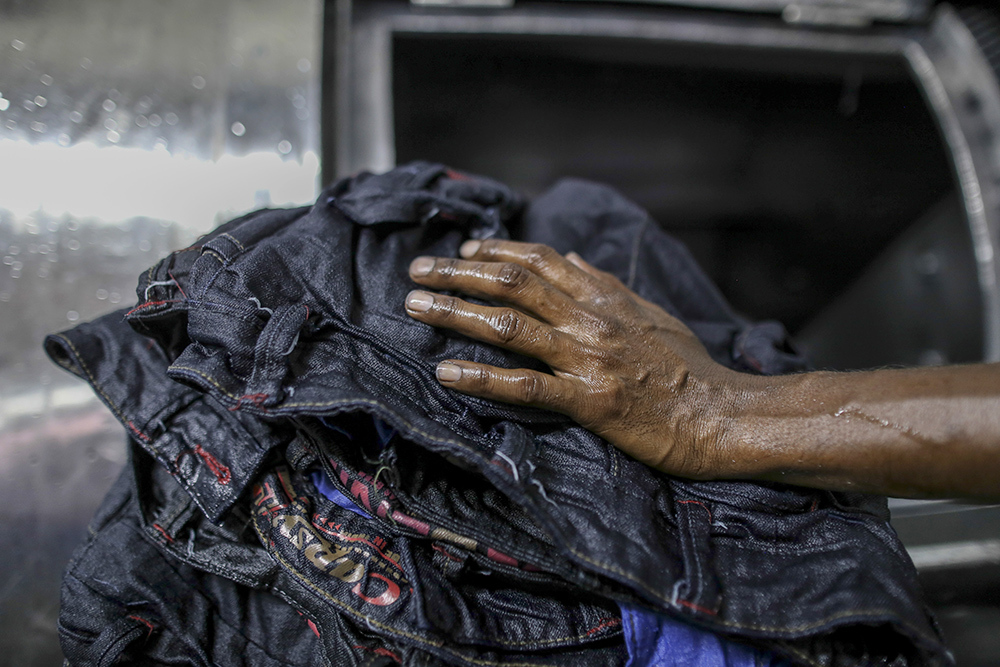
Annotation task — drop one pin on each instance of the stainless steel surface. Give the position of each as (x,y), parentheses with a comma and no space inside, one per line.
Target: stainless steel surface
(127,128)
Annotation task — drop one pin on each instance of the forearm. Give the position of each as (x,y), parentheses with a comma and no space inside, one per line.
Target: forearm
(932,432)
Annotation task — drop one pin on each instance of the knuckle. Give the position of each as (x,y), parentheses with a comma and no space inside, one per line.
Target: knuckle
(512,277)
(529,388)
(508,325)
(538,255)
(446,267)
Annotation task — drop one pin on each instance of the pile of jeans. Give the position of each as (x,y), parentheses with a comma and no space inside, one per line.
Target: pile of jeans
(301,490)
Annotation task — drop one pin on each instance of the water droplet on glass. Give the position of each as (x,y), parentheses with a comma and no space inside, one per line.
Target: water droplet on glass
(109,105)
(43,271)
(46,80)
(4,296)
(304,65)
(28,105)
(141,121)
(4,104)
(38,127)
(40,100)
(16,265)
(302,114)
(72,225)
(72,316)
(18,45)
(14,250)
(15,273)
(75,116)
(64,139)
(32,248)
(113,137)
(73,244)
(144,104)
(198,82)
(238,129)
(85,63)
(11,124)
(111,124)
(102,295)
(284,147)
(114,297)
(8,260)
(144,246)
(155,120)
(171,118)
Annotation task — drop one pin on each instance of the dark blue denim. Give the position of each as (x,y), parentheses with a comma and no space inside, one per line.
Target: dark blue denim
(294,317)
(370,590)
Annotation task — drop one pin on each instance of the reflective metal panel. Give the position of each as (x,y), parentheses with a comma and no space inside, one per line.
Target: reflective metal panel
(127,128)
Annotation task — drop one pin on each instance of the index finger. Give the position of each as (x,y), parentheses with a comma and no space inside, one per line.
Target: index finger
(540,259)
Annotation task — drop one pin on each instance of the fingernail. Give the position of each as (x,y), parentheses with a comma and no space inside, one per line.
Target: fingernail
(449,372)
(573,257)
(421,266)
(419,301)
(470,248)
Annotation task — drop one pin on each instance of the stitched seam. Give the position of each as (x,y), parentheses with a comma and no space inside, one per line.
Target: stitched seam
(353,401)
(600,564)
(417,638)
(234,240)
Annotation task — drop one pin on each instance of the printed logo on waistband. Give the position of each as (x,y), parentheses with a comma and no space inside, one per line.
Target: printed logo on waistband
(349,564)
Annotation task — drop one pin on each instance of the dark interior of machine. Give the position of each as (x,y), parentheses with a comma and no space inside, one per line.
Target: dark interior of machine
(787,174)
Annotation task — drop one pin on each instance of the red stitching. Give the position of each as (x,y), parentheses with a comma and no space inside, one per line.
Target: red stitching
(220,471)
(312,626)
(606,623)
(691,605)
(143,436)
(256,399)
(181,289)
(698,502)
(446,554)
(144,622)
(151,303)
(163,532)
(815,504)
(380,651)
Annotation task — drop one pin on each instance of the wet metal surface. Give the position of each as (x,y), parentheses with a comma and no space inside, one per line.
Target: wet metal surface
(126,130)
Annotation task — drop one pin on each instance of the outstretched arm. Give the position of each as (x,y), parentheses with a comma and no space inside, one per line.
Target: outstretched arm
(628,371)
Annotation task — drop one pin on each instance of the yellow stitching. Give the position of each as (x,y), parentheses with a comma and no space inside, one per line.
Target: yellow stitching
(363,401)
(234,240)
(576,553)
(209,251)
(97,387)
(367,619)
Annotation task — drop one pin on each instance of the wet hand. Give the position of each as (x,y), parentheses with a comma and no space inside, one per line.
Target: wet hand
(621,366)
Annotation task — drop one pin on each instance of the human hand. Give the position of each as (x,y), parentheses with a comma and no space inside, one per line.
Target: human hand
(621,366)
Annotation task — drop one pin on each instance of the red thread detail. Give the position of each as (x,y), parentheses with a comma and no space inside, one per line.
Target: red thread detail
(307,310)
(447,555)
(499,557)
(691,605)
(142,436)
(380,651)
(144,622)
(410,522)
(220,471)
(455,176)
(348,538)
(163,532)
(815,504)
(698,502)
(179,288)
(149,304)
(606,623)
(256,399)
(312,626)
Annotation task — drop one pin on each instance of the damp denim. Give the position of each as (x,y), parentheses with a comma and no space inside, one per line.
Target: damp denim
(286,321)
(282,552)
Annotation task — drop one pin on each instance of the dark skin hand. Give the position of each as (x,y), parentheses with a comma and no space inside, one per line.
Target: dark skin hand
(628,371)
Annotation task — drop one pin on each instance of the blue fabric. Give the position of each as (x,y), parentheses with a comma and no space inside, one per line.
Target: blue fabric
(656,639)
(333,494)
